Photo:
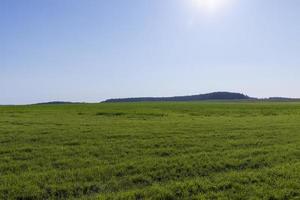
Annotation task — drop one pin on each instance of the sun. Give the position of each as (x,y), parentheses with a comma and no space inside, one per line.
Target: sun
(212,6)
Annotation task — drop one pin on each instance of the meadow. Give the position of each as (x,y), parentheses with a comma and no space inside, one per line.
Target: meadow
(162,150)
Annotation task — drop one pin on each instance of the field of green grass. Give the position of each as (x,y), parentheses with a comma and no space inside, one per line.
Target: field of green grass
(199,150)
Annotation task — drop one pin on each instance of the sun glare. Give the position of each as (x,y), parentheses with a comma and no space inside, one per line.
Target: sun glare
(212,6)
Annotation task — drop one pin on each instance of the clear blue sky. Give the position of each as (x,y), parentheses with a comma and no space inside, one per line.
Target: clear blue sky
(90,50)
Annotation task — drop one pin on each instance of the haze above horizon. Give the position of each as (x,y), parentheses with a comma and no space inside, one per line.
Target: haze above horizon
(95,50)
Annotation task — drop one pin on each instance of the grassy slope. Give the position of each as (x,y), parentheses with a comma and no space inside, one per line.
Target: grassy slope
(208,150)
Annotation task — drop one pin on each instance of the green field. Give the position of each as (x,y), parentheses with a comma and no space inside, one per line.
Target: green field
(200,150)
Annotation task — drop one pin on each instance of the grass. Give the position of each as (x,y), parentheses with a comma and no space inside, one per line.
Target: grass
(200,150)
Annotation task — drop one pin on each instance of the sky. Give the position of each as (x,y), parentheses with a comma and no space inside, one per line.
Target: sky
(91,50)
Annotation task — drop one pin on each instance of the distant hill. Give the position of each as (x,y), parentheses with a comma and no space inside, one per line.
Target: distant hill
(55,103)
(282,99)
(200,97)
